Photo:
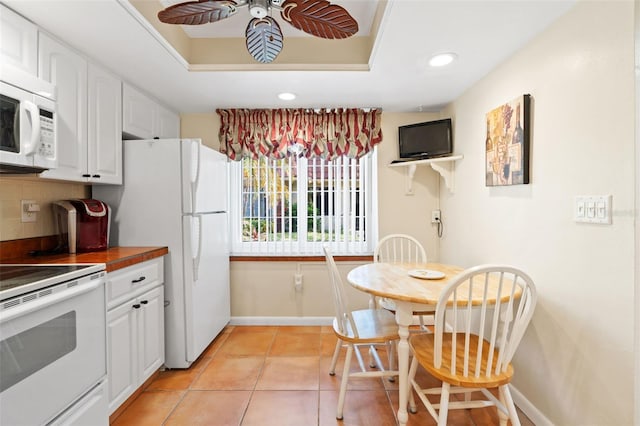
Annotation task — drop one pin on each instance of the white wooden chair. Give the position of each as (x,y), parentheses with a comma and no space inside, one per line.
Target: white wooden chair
(399,248)
(472,345)
(357,328)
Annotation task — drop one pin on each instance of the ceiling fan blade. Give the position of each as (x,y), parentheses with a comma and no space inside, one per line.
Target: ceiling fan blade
(264,39)
(319,18)
(198,12)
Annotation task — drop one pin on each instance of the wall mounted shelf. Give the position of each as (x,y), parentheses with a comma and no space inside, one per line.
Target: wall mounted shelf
(442,165)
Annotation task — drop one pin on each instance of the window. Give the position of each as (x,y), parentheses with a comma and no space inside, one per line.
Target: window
(295,205)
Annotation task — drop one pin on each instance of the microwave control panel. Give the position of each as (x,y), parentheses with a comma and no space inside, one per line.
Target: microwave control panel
(47,134)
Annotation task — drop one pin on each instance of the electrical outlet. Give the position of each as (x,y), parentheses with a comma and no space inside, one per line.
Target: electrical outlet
(29,209)
(435,216)
(297,281)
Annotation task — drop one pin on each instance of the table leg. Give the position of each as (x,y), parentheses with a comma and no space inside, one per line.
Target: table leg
(404,318)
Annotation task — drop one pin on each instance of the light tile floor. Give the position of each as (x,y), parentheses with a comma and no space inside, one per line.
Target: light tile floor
(264,376)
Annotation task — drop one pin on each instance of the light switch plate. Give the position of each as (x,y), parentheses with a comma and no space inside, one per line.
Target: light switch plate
(592,209)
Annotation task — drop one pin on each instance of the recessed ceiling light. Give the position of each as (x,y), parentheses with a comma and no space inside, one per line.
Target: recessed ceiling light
(286,96)
(442,59)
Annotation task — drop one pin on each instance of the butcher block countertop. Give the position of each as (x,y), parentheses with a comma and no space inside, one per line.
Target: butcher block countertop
(115,257)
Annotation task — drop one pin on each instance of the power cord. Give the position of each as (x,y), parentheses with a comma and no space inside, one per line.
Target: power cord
(440,227)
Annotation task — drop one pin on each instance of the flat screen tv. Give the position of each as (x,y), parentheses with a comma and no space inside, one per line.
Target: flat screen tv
(425,140)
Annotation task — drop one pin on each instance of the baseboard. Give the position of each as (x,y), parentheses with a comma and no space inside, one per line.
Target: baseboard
(281,321)
(299,320)
(528,408)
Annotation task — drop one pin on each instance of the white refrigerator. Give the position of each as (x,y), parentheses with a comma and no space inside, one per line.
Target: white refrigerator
(175,195)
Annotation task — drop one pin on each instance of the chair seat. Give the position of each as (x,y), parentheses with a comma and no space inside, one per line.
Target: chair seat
(390,305)
(373,325)
(423,347)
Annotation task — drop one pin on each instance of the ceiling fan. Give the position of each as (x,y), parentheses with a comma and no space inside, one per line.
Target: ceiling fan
(264,37)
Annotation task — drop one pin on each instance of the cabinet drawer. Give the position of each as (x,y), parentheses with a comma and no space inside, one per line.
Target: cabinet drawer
(134,280)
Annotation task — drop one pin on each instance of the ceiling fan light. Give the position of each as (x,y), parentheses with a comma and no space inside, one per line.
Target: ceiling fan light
(286,96)
(442,59)
(258,8)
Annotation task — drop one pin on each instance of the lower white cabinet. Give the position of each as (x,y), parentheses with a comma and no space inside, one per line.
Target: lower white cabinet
(135,329)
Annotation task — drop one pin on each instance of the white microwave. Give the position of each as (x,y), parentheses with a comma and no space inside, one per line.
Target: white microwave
(27,122)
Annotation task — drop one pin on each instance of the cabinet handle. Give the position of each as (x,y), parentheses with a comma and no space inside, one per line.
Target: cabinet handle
(86,175)
(136,306)
(96,176)
(142,278)
(144,302)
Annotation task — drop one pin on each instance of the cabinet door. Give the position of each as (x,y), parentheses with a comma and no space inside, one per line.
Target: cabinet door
(68,71)
(137,113)
(150,332)
(105,127)
(122,353)
(167,123)
(18,41)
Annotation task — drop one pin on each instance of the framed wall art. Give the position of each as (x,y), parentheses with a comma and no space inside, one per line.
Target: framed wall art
(508,143)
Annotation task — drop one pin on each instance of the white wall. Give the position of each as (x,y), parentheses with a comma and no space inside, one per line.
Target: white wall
(576,361)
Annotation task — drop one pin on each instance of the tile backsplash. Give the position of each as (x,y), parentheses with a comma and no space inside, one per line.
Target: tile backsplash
(13,189)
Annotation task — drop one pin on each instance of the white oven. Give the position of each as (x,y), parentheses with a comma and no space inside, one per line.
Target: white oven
(27,122)
(52,345)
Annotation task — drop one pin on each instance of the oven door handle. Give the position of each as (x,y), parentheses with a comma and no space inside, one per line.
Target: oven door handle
(46,301)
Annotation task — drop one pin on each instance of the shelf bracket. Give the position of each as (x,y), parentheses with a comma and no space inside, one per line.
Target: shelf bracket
(443,165)
(446,171)
(411,171)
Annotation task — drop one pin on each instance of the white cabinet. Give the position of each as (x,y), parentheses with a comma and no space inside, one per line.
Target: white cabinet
(135,328)
(144,118)
(68,71)
(18,41)
(150,332)
(104,153)
(122,354)
(167,123)
(88,116)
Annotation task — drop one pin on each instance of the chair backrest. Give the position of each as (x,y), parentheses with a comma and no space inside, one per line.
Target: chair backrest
(465,308)
(397,248)
(340,300)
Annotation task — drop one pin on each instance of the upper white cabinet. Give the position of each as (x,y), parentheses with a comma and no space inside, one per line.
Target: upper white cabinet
(88,116)
(68,71)
(104,159)
(167,123)
(18,41)
(144,118)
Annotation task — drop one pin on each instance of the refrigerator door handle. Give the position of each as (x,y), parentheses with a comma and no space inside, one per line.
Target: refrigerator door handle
(195,172)
(196,244)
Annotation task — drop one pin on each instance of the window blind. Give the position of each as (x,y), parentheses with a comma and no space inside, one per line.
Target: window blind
(295,205)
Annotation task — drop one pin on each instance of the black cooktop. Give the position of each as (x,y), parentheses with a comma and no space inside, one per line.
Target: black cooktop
(12,276)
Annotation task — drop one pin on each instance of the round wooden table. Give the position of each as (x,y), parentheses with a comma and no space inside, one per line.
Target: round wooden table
(410,294)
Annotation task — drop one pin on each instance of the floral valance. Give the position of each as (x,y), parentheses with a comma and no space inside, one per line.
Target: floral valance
(277,133)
